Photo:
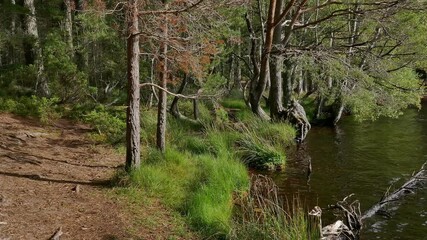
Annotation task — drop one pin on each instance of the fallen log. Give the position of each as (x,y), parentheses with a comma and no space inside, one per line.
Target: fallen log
(350,227)
(416,181)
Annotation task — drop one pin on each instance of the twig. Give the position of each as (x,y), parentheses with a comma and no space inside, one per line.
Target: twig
(58,233)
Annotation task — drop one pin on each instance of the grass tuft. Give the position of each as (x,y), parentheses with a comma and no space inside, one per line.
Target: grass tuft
(257,153)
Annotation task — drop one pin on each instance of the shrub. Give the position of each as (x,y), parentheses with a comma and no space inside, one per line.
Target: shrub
(110,127)
(7,105)
(45,109)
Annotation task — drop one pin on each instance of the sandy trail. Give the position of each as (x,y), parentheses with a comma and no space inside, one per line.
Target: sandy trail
(53,177)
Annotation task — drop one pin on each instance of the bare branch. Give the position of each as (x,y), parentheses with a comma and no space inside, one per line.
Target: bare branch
(194,96)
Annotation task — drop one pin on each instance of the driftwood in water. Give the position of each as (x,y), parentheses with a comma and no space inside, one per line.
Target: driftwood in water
(409,187)
(349,228)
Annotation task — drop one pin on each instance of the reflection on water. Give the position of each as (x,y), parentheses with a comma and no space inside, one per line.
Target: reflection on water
(364,159)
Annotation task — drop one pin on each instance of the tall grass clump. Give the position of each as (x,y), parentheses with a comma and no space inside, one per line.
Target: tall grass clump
(279,135)
(257,153)
(260,214)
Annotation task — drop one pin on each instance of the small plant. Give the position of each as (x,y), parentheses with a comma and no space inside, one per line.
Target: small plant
(7,105)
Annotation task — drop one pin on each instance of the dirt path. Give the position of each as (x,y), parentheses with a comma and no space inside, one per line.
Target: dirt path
(53,177)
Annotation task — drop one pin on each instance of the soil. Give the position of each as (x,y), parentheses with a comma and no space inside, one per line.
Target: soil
(53,177)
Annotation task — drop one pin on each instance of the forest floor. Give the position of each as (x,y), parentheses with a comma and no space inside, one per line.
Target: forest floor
(54,176)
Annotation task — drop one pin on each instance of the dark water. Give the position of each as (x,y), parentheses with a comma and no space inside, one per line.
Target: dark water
(364,159)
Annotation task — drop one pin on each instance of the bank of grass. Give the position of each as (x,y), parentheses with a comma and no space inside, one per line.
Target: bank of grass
(202,172)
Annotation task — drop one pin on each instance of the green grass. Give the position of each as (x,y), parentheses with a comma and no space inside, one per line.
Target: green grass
(199,186)
(233,103)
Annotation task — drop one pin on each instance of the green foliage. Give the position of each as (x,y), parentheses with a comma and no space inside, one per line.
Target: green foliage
(148,127)
(387,96)
(45,109)
(65,80)
(214,84)
(17,80)
(110,126)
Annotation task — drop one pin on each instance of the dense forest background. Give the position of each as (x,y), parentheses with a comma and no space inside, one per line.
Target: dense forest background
(210,64)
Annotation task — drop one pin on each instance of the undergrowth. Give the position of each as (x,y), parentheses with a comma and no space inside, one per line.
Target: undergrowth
(203,168)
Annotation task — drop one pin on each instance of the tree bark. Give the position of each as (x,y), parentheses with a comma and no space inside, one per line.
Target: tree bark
(69,25)
(133,151)
(258,84)
(238,70)
(287,82)
(174,105)
(276,68)
(163,75)
(33,50)
(81,54)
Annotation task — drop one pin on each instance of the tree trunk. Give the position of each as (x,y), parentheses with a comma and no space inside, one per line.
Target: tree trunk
(174,105)
(69,25)
(11,54)
(238,71)
(258,84)
(288,82)
(339,113)
(81,52)
(163,75)
(230,81)
(133,152)
(276,67)
(33,50)
(196,109)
